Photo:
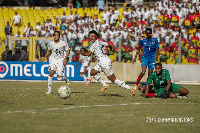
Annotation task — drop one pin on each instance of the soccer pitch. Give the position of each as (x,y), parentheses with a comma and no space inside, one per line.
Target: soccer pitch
(24,107)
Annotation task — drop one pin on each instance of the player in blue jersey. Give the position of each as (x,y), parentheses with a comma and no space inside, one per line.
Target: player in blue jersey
(150,47)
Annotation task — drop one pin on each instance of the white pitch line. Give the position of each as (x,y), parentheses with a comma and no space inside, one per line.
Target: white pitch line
(86,106)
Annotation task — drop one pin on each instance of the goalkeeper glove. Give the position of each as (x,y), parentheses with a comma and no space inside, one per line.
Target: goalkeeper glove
(164,95)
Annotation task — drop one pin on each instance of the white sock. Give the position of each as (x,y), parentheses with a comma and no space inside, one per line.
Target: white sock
(122,84)
(85,78)
(99,79)
(64,78)
(50,80)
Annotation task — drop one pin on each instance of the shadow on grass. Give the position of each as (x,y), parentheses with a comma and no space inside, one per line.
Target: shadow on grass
(68,104)
(115,95)
(77,92)
(2,102)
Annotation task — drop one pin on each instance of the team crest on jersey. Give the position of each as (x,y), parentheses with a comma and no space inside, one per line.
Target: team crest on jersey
(164,77)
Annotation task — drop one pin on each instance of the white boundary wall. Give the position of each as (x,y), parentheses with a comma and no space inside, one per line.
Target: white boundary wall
(130,72)
(183,72)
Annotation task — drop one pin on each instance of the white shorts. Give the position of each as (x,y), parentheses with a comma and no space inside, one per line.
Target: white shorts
(83,68)
(105,66)
(56,65)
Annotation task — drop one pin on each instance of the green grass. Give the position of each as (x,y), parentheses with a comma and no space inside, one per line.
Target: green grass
(24,107)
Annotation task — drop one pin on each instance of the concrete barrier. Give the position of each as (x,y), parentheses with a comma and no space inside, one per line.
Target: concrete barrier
(129,72)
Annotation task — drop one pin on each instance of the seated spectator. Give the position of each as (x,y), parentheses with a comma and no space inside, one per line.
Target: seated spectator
(163,54)
(10,56)
(128,53)
(24,56)
(192,54)
(37,58)
(27,29)
(85,42)
(8,29)
(63,17)
(110,51)
(17,54)
(16,19)
(71,38)
(5,54)
(32,33)
(38,27)
(195,38)
(18,34)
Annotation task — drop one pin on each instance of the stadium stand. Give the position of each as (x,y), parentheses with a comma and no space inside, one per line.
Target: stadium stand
(165,18)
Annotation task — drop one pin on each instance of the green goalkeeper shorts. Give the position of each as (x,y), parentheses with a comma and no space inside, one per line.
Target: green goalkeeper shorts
(174,88)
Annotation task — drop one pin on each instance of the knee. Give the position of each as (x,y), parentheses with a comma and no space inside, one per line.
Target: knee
(92,74)
(172,95)
(185,91)
(143,71)
(59,79)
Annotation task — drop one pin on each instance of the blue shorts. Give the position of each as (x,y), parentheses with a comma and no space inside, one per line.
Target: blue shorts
(148,61)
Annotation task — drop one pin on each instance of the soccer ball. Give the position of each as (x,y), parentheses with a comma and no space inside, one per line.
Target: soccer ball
(64,92)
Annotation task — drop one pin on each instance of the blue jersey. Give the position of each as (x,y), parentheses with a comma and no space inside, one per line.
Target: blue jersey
(149,46)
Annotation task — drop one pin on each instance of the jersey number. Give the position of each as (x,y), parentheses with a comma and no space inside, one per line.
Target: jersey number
(57,51)
(103,50)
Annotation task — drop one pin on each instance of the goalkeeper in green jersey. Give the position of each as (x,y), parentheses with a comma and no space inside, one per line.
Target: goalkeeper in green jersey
(163,86)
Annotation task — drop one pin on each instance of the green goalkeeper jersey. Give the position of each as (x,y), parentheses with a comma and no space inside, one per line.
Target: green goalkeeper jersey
(159,82)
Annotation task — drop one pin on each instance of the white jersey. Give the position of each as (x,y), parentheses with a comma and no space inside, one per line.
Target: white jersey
(58,50)
(104,62)
(84,59)
(98,48)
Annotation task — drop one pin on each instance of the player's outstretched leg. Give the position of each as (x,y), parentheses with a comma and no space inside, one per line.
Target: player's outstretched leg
(141,75)
(50,80)
(121,83)
(85,78)
(183,93)
(172,95)
(99,79)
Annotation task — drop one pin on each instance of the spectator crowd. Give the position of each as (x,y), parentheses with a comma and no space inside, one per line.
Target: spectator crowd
(169,20)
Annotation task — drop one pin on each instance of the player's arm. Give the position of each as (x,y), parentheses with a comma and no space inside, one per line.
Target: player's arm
(168,85)
(47,54)
(164,94)
(84,53)
(157,51)
(66,56)
(150,79)
(78,64)
(137,52)
(146,91)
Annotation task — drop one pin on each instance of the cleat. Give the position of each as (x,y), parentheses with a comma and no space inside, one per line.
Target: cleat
(86,84)
(90,80)
(133,89)
(182,96)
(49,91)
(68,82)
(104,88)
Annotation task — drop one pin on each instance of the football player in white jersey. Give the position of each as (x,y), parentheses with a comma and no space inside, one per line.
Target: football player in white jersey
(104,63)
(85,66)
(59,51)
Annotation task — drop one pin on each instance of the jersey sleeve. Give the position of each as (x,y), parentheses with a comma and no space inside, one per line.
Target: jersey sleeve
(140,44)
(91,49)
(50,47)
(104,43)
(167,75)
(150,79)
(67,47)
